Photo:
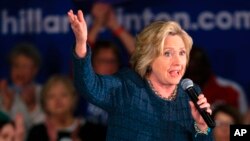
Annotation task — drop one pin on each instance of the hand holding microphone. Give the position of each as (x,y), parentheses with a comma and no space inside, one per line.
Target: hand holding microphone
(202,106)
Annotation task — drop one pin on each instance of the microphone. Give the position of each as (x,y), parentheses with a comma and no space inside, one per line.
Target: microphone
(188,86)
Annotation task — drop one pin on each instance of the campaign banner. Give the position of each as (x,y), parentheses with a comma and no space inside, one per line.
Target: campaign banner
(220,27)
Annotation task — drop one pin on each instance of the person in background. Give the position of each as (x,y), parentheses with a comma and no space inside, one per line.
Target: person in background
(11,130)
(217,89)
(107,19)
(22,96)
(105,61)
(224,116)
(146,103)
(58,101)
(246,117)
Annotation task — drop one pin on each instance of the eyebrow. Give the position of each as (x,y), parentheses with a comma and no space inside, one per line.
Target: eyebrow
(173,48)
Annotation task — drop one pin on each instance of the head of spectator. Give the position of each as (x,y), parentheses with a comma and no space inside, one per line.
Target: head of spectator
(7,128)
(59,97)
(105,58)
(25,61)
(224,116)
(246,117)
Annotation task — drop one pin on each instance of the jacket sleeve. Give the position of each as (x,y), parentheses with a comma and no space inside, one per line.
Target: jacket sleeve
(97,89)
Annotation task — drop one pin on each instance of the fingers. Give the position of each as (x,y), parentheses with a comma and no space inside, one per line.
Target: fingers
(80,15)
(202,99)
(76,19)
(71,16)
(203,104)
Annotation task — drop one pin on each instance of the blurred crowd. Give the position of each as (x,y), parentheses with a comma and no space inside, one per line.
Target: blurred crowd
(55,111)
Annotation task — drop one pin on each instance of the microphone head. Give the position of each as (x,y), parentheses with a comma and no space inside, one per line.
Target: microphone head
(186,83)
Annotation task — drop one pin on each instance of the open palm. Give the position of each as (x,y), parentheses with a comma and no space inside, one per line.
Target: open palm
(79,27)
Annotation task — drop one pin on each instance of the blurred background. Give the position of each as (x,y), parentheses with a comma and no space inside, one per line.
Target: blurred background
(220,27)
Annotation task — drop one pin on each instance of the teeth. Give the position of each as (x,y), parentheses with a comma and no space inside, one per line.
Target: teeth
(174,72)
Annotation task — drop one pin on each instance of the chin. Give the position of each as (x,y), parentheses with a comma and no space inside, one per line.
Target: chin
(176,81)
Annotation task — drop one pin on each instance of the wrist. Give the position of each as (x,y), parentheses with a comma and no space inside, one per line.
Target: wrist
(118,30)
(113,26)
(80,49)
(201,129)
(96,26)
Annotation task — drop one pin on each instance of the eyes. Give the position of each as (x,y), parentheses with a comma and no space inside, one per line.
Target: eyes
(169,53)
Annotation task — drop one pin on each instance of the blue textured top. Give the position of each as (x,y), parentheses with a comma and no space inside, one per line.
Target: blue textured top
(135,112)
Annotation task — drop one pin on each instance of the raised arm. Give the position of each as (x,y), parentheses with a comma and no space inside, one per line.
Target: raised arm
(99,90)
(126,38)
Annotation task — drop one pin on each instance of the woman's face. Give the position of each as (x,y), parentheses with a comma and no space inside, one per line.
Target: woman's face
(59,101)
(169,67)
(7,133)
(105,62)
(222,129)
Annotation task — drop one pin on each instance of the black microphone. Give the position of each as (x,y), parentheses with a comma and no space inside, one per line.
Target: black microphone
(187,85)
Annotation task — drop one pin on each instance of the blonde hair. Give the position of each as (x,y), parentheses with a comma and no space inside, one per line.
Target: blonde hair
(54,80)
(150,44)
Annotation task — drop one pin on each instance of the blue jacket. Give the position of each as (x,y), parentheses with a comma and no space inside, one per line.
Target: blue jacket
(135,112)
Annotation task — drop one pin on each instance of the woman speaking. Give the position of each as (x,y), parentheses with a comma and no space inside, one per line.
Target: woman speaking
(145,103)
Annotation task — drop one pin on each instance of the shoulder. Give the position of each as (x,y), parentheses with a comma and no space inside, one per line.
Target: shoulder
(229,83)
(38,128)
(91,131)
(131,77)
(37,132)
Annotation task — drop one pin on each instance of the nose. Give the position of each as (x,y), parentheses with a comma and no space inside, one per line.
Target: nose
(177,59)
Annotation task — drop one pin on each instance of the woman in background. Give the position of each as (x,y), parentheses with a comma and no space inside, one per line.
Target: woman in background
(58,101)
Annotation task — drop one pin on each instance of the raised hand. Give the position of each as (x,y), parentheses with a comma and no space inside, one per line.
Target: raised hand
(202,102)
(99,20)
(19,126)
(79,27)
(112,21)
(28,95)
(7,95)
(100,17)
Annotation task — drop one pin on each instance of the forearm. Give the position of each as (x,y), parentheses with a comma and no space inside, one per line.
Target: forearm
(126,38)
(93,33)
(5,105)
(128,41)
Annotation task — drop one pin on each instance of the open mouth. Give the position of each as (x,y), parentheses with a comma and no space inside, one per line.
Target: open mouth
(174,73)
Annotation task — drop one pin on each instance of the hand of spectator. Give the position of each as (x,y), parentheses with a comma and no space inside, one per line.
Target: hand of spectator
(100,12)
(112,22)
(28,95)
(79,28)
(19,126)
(6,94)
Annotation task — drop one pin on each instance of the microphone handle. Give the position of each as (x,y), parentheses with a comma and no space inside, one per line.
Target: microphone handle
(194,97)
